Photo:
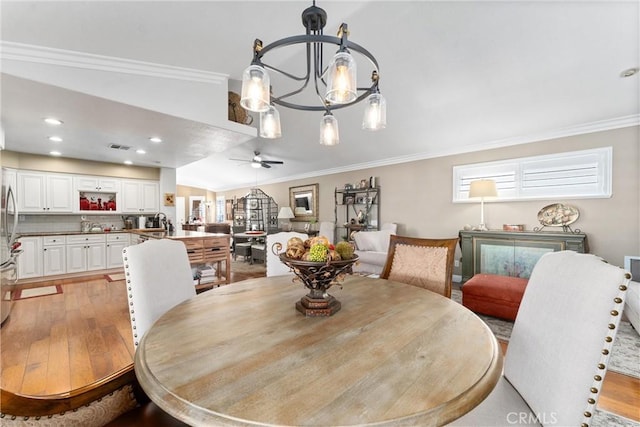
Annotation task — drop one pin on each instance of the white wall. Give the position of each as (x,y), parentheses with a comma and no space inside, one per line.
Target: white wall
(418,195)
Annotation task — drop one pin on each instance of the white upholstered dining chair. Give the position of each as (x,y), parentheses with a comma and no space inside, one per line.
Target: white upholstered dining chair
(327,229)
(158,277)
(275,267)
(559,349)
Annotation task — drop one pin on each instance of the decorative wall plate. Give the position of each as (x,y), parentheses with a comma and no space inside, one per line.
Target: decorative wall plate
(558,215)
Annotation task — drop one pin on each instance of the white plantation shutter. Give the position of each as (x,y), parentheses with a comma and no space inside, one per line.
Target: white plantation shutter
(576,174)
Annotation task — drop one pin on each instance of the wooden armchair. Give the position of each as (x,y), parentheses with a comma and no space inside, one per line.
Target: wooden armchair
(426,263)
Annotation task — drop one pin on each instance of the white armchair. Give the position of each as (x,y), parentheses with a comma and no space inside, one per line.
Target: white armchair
(275,267)
(327,230)
(372,248)
(559,349)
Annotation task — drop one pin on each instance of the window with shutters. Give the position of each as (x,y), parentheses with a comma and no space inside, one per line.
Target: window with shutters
(572,175)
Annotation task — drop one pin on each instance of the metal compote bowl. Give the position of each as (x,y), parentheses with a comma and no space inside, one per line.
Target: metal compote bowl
(318,277)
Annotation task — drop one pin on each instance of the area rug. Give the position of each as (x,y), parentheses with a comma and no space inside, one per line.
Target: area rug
(114,277)
(625,356)
(37,292)
(607,419)
(240,266)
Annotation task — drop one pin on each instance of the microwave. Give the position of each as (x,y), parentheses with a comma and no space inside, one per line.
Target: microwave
(632,265)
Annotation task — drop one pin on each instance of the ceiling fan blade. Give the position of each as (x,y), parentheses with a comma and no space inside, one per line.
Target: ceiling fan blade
(241,160)
(273,162)
(265,165)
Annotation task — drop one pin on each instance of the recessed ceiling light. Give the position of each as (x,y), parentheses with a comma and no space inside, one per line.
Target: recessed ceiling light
(629,72)
(141,151)
(55,153)
(55,139)
(128,162)
(155,139)
(52,121)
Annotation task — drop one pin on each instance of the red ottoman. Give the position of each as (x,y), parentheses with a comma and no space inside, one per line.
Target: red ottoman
(494,295)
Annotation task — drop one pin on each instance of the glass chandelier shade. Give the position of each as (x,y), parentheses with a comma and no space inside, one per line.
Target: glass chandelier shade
(335,85)
(329,134)
(375,113)
(255,89)
(341,82)
(270,123)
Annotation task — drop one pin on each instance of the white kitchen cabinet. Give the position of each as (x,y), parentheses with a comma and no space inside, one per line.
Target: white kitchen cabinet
(140,196)
(44,192)
(97,183)
(30,261)
(54,255)
(115,244)
(86,253)
(95,193)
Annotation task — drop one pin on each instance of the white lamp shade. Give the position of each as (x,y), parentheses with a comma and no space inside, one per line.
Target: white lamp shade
(256,84)
(270,123)
(375,113)
(329,134)
(483,188)
(285,213)
(341,81)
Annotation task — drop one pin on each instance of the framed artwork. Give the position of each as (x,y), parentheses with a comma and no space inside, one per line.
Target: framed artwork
(303,200)
(169,199)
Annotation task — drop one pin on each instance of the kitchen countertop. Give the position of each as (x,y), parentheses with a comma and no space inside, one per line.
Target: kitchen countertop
(68,233)
(178,234)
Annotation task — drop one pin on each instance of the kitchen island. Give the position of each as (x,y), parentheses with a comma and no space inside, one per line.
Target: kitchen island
(204,249)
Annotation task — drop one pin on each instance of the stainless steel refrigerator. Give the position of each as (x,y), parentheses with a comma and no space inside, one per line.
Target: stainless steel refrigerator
(9,247)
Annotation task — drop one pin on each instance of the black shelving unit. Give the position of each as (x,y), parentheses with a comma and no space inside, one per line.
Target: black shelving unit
(256,211)
(356,209)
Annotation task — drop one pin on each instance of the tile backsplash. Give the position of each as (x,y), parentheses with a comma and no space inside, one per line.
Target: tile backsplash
(62,223)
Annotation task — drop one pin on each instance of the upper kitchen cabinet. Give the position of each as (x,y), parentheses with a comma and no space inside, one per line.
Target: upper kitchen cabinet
(97,183)
(94,193)
(44,192)
(140,196)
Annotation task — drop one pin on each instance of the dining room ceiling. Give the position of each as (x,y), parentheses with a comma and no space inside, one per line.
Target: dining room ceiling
(458,77)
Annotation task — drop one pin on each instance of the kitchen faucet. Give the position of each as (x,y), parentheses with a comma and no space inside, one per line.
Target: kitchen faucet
(160,223)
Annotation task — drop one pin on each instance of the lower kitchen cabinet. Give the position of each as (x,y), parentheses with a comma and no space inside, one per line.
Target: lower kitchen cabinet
(54,255)
(60,254)
(30,261)
(86,253)
(115,244)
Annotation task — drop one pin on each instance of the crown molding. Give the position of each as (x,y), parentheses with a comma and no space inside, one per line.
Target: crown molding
(598,126)
(87,61)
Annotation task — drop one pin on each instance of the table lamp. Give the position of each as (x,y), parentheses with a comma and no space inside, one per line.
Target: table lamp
(286,214)
(482,188)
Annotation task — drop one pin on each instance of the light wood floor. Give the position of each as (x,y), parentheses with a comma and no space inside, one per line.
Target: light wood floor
(58,343)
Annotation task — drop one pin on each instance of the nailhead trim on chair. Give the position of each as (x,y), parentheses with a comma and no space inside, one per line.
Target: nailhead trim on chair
(130,296)
(604,359)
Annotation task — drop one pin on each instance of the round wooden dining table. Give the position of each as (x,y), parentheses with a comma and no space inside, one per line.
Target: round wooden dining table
(394,355)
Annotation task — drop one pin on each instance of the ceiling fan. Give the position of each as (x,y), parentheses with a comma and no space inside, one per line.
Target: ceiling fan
(258,161)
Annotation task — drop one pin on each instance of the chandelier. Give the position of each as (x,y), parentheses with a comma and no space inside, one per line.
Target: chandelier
(335,85)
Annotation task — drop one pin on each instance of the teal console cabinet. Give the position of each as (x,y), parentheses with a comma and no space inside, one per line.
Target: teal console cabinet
(512,253)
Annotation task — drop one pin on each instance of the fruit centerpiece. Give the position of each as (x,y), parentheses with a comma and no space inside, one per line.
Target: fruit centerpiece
(319,265)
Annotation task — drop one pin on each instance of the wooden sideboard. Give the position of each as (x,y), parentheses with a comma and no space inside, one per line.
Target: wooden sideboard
(512,253)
